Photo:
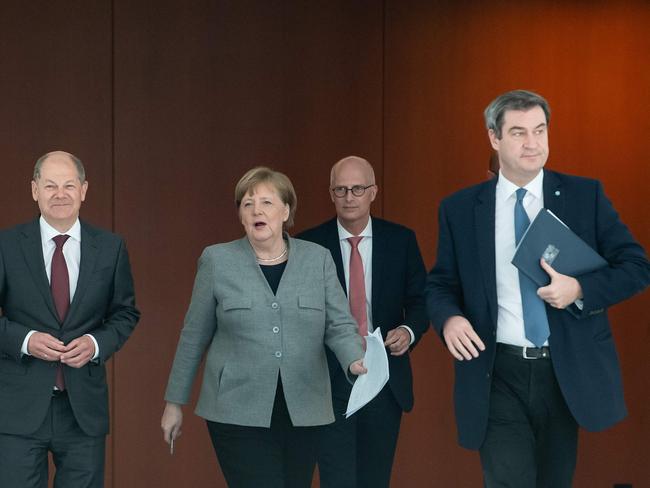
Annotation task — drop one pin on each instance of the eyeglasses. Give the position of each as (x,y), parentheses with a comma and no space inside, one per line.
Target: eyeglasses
(357,190)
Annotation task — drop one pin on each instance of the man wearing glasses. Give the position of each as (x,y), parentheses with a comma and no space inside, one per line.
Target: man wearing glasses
(380,267)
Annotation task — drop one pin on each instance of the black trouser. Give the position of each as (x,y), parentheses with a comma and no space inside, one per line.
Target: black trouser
(531,439)
(255,457)
(78,458)
(358,452)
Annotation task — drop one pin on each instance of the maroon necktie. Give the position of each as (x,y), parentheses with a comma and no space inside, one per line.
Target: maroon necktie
(60,286)
(357,291)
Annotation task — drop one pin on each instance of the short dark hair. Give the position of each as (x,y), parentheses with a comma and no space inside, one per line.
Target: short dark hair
(277,180)
(513,100)
(81,172)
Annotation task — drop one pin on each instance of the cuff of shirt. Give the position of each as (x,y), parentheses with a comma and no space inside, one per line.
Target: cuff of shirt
(410,333)
(94,358)
(23,350)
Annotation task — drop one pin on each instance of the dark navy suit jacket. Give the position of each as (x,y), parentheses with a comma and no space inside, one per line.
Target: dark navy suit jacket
(463,282)
(398,277)
(103,305)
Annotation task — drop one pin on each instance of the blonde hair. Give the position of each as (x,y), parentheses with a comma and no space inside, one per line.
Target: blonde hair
(280,182)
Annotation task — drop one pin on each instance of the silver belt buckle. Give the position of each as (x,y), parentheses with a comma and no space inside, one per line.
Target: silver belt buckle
(524,355)
(543,354)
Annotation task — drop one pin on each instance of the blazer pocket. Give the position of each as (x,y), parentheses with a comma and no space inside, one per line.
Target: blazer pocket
(239,303)
(96,370)
(311,302)
(103,274)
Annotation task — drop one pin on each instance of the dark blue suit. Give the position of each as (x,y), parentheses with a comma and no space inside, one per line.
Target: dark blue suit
(398,277)
(583,353)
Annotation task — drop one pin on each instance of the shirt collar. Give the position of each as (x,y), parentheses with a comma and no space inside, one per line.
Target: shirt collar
(48,232)
(344,234)
(506,188)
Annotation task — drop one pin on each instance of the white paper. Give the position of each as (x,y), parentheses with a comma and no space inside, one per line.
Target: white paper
(368,385)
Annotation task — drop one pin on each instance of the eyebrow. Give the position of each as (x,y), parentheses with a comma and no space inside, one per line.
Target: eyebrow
(516,127)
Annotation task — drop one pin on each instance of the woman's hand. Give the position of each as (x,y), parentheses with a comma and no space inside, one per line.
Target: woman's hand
(171,422)
(357,368)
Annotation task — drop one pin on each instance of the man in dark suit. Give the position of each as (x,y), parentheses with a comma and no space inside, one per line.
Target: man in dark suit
(67,302)
(359,451)
(531,364)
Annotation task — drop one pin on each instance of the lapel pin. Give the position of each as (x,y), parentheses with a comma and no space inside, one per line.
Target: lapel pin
(557,193)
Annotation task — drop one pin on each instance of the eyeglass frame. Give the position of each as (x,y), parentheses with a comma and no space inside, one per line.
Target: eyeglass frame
(351,189)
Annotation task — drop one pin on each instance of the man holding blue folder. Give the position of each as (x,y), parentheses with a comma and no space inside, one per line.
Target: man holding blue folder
(529,372)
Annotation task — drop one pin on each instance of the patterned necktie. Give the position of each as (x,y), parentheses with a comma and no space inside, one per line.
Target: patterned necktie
(357,291)
(60,286)
(534,310)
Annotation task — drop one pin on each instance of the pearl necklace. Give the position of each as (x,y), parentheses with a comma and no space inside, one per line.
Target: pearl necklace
(262,260)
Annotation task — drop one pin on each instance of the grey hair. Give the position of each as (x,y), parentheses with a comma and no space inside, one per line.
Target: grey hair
(81,172)
(513,100)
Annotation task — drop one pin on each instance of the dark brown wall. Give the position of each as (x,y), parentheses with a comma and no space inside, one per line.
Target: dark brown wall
(169,102)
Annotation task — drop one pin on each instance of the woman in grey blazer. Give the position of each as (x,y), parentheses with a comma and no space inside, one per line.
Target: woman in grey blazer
(263,307)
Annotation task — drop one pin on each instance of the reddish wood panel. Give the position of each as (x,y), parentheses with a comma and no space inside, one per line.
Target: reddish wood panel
(203,92)
(444,62)
(169,102)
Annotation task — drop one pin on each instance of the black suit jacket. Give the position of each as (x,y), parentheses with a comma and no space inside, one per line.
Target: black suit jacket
(103,305)
(463,282)
(398,277)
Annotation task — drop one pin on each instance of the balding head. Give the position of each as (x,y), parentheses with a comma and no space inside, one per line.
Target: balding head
(81,172)
(353,189)
(354,162)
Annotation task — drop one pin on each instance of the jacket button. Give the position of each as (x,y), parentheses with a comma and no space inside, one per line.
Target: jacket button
(276,329)
(278,354)
(274,305)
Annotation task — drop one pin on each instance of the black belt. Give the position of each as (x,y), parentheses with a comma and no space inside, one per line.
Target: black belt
(525,352)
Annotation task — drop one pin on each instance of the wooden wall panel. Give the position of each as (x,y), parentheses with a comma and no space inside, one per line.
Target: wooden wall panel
(55,82)
(444,62)
(169,102)
(203,92)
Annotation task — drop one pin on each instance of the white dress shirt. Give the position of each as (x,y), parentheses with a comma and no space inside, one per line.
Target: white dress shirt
(72,253)
(365,250)
(510,321)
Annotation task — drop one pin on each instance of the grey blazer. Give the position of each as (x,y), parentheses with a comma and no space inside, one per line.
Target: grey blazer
(252,335)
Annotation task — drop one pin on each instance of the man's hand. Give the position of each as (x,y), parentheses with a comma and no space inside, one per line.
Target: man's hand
(357,368)
(44,346)
(461,339)
(562,291)
(78,352)
(398,341)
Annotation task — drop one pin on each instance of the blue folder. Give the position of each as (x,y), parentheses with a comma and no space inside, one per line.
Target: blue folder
(548,237)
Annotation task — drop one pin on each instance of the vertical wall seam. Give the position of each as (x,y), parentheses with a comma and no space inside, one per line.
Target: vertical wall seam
(383,109)
(113,220)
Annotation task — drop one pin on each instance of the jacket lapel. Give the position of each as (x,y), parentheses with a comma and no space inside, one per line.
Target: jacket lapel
(378,259)
(33,252)
(89,252)
(484,221)
(334,245)
(553,195)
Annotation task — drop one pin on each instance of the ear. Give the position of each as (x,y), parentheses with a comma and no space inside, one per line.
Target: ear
(34,191)
(286,212)
(494,141)
(373,193)
(84,189)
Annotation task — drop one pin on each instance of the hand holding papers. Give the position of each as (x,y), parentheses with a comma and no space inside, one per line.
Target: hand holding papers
(367,386)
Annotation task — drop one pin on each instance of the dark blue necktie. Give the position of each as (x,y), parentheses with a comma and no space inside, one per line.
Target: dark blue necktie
(535,320)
